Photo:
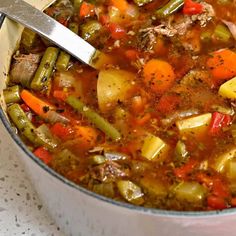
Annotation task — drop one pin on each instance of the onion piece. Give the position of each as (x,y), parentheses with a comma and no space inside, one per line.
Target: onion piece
(54,116)
(231,26)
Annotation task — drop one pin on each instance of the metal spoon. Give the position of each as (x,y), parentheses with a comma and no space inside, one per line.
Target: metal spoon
(37,21)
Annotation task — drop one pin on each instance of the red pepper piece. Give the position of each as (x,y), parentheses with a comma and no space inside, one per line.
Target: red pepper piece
(192,8)
(183,171)
(218,122)
(43,154)
(61,131)
(117,32)
(220,189)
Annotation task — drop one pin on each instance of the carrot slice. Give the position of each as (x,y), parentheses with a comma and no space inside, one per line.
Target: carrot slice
(39,106)
(122,5)
(43,154)
(158,75)
(86,10)
(222,65)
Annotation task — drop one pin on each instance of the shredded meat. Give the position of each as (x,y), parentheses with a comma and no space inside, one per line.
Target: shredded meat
(24,68)
(173,26)
(109,172)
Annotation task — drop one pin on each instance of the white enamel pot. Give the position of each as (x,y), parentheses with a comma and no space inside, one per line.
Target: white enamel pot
(80,212)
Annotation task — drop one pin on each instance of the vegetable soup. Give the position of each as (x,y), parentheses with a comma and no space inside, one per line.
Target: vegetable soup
(155,126)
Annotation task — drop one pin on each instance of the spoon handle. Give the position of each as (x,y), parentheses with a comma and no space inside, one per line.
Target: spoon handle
(37,21)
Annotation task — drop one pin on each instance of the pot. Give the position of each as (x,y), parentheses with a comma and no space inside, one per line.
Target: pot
(81,212)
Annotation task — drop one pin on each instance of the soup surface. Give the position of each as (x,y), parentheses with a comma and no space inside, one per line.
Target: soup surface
(155,126)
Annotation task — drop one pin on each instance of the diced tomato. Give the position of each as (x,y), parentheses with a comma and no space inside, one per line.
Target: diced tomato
(220,189)
(183,171)
(117,32)
(218,122)
(43,154)
(86,10)
(216,203)
(61,131)
(192,8)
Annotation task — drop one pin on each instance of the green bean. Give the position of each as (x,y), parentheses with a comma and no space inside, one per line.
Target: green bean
(23,124)
(63,61)
(181,152)
(12,94)
(141,2)
(168,9)
(28,38)
(222,33)
(41,80)
(90,29)
(64,58)
(94,118)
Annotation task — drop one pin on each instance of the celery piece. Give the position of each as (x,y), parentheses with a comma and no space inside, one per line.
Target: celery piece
(153,147)
(181,152)
(190,191)
(228,89)
(194,122)
(130,192)
(46,136)
(222,33)
(223,159)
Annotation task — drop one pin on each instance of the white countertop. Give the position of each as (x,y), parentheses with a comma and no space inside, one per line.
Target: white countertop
(21,212)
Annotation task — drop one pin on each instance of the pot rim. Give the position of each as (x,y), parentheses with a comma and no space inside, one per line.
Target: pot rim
(144,210)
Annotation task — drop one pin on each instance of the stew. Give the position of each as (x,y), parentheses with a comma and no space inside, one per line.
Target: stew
(156,125)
